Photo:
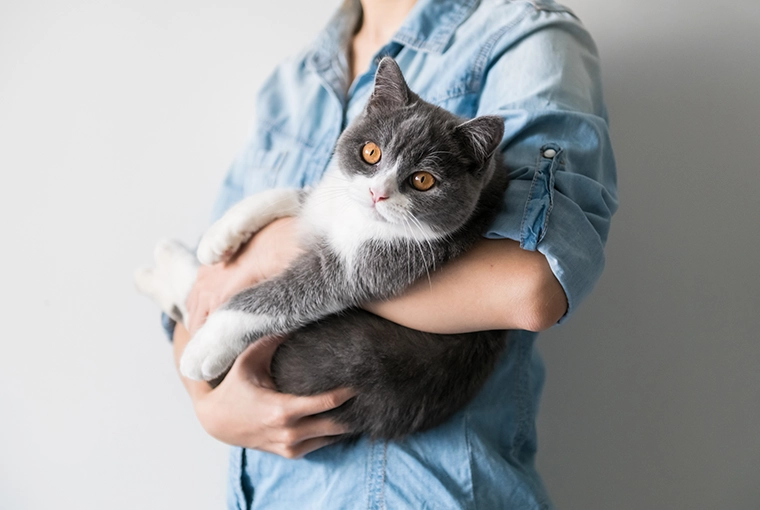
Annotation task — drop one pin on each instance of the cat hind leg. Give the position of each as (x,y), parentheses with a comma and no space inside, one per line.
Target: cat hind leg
(170,281)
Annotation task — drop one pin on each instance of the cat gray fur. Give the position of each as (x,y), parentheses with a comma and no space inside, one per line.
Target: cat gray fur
(406,380)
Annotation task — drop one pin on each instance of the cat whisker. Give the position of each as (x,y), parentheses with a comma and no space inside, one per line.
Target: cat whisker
(407,236)
(422,231)
(422,251)
(340,178)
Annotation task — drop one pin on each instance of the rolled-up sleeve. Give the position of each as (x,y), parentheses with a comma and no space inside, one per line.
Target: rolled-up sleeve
(562,190)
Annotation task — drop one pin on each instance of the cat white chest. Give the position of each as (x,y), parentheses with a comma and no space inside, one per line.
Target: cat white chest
(339,210)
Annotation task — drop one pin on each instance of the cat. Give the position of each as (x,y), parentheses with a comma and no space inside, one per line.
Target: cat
(411,186)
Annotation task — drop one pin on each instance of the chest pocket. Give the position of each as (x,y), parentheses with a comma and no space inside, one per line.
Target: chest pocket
(276,160)
(261,169)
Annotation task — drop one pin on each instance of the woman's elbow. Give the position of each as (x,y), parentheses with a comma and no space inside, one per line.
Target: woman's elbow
(545,304)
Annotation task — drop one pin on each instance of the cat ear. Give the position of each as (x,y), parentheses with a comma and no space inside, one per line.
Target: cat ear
(484,134)
(391,90)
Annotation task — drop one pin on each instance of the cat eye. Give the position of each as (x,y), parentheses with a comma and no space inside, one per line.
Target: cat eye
(422,181)
(371,153)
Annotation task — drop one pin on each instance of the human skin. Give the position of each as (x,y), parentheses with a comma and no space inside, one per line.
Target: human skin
(496,285)
(246,410)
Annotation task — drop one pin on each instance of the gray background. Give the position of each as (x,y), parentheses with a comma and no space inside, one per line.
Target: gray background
(117,121)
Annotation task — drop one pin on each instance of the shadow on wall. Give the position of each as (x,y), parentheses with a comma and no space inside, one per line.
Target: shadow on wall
(653,388)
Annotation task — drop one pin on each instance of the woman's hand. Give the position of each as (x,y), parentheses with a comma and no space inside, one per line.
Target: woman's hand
(245,410)
(267,253)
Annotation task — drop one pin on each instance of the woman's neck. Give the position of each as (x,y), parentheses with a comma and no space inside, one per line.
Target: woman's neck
(380,20)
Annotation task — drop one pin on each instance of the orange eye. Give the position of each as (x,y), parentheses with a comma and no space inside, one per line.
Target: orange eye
(422,181)
(371,153)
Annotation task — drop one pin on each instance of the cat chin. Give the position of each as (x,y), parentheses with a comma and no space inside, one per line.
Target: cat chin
(377,215)
(372,213)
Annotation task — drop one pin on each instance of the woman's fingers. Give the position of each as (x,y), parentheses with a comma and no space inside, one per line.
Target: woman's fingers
(306,431)
(259,354)
(299,407)
(316,426)
(254,362)
(247,410)
(305,447)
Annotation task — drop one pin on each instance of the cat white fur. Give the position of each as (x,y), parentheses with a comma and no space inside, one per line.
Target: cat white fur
(340,209)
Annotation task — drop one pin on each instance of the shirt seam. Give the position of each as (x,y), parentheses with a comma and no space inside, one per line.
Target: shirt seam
(521,382)
(439,38)
(271,127)
(472,83)
(486,52)
(544,171)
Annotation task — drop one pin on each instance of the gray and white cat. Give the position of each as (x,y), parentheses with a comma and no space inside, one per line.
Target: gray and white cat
(411,187)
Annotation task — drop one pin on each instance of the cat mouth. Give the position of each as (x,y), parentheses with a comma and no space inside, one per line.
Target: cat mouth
(375,214)
(382,216)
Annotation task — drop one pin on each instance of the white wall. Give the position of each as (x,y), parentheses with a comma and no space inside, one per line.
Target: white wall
(117,121)
(653,390)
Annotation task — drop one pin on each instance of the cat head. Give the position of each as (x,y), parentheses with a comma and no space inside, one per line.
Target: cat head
(410,162)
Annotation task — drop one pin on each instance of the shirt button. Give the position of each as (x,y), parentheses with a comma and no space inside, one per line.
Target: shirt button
(550,153)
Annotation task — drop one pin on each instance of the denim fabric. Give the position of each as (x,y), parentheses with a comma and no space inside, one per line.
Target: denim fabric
(533,63)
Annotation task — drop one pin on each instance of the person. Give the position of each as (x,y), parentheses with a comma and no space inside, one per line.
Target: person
(532,63)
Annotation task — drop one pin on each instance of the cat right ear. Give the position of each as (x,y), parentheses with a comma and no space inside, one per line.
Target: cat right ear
(484,135)
(390,90)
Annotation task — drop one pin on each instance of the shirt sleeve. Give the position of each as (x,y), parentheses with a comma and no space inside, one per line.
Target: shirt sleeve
(562,190)
(168,324)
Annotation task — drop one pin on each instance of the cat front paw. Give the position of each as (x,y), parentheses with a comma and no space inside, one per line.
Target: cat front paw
(215,346)
(221,241)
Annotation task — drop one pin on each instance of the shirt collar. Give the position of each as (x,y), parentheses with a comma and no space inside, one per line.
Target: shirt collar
(428,28)
(431,24)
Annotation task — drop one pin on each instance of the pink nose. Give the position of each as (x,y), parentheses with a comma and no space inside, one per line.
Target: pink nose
(376,196)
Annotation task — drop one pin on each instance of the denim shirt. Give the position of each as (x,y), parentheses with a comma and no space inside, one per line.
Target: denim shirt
(532,63)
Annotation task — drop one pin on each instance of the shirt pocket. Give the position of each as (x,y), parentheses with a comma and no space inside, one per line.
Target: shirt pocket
(277,160)
(261,169)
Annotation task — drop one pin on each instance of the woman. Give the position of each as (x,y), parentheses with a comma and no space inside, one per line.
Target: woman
(535,65)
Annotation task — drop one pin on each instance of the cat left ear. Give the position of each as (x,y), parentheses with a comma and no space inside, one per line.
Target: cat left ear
(390,90)
(484,134)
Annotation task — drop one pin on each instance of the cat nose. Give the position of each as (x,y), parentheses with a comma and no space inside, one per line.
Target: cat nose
(377,196)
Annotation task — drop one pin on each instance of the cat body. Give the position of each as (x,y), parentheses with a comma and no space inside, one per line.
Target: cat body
(411,187)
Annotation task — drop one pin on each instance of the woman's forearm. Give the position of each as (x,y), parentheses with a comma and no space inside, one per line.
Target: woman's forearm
(496,285)
(195,389)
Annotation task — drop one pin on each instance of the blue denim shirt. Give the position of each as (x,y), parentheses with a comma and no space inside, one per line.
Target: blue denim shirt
(533,63)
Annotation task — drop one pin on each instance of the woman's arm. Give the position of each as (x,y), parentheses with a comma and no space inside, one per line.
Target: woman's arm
(246,410)
(496,285)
